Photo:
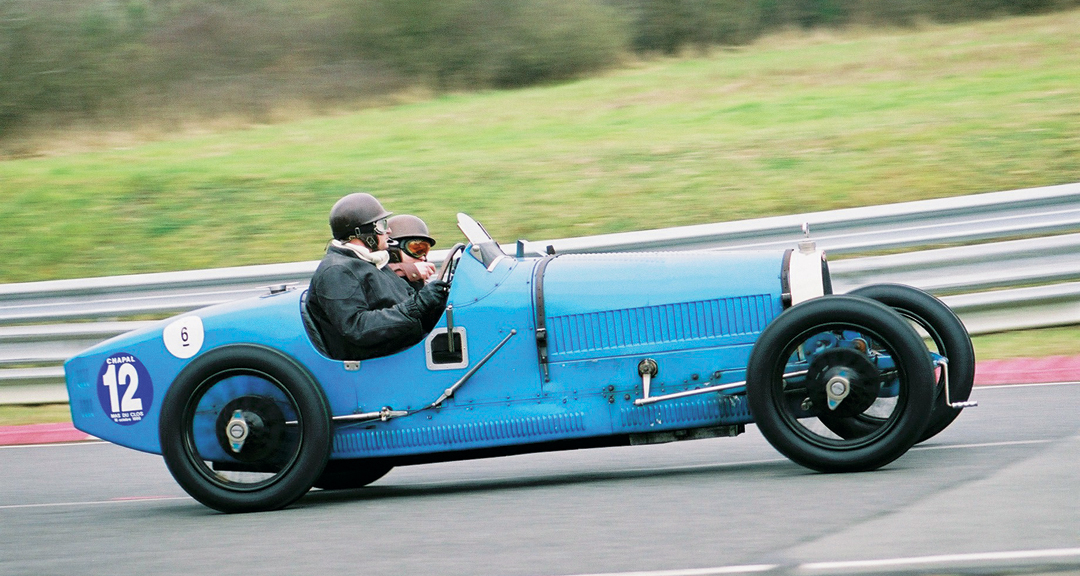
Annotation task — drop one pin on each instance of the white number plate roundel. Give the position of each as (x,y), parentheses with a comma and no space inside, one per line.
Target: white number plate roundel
(184,337)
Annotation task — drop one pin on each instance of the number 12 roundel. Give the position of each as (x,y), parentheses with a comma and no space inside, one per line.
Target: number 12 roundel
(124,389)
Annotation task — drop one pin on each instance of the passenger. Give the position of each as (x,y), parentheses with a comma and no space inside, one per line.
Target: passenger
(360,306)
(409,247)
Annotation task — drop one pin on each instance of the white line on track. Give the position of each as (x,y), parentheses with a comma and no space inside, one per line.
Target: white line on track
(56,444)
(94,502)
(749,569)
(944,559)
(983,445)
(924,562)
(989,387)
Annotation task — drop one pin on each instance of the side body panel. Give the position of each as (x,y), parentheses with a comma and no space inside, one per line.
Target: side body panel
(696,314)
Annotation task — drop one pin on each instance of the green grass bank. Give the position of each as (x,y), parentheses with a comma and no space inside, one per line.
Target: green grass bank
(793,123)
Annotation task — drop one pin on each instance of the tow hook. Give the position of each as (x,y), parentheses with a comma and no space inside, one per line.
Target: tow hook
(943,363)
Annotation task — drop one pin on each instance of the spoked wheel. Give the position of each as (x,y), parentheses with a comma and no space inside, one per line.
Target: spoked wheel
(946,337)
(244,428)
(349,474)
(828,358)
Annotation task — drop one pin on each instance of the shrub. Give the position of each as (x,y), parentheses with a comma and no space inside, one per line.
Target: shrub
(87,58)
(480,43)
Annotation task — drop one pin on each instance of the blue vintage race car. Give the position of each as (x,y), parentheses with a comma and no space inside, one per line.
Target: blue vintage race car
(535,353)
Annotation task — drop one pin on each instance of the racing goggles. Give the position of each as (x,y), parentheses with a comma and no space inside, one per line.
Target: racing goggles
(380,226)
(416,247)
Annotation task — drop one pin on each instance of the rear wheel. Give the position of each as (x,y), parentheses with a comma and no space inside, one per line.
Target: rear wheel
(829,357)
(946,337)
(245,428)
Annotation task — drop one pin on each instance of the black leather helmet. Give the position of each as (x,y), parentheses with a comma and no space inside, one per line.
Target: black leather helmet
(356,215)
(404,226)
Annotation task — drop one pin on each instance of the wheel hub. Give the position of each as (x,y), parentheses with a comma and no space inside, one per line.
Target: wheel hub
(842,382)
(837,389)
(250,428)
(238,431)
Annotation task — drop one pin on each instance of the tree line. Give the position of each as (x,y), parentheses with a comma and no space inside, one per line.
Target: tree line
(88,59)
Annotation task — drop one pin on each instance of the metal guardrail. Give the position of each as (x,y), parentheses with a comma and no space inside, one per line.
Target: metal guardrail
(1011,263)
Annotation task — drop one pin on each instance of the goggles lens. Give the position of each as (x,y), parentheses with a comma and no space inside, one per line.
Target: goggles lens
(416,248)
(381,226)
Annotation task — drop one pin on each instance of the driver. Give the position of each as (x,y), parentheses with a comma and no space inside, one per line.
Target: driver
(361,307)
(410,244)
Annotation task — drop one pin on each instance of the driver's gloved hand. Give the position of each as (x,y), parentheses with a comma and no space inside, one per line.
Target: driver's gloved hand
(433,296)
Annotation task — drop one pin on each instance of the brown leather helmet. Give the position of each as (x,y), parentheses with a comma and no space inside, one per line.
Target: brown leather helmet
(405,226)
(356,215)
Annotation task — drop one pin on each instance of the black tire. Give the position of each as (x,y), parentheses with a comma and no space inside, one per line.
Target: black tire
(350,474)
(236,387)
(779,404)
(950,339)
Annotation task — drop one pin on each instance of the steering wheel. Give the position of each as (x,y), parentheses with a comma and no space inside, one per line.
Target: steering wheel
(449,264)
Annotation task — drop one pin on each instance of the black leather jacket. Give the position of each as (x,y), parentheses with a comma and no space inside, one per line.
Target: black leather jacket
(363,311)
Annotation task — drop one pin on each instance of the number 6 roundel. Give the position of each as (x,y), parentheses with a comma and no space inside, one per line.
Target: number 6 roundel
(124,389)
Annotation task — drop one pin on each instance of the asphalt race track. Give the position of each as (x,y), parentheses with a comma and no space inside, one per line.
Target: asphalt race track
(996,493)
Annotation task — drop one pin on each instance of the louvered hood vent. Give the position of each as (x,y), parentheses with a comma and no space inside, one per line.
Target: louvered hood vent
(614,304)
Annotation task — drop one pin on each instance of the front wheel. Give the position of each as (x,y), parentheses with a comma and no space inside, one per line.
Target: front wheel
(245,428)
(829,357)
